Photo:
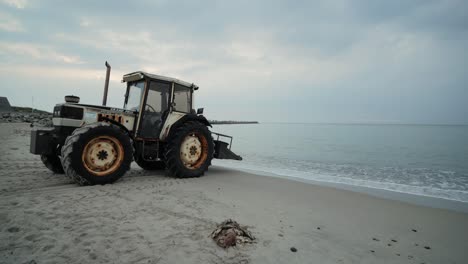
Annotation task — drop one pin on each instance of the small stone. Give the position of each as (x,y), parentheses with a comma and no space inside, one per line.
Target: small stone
(427,247)
(389,244)
(375,239)
(394,241)
(373,251)
(293,249)
(414,230)
(318,228)
(13,229)
(280,235)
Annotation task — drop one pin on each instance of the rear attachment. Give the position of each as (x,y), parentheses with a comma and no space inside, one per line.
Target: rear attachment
(221,150)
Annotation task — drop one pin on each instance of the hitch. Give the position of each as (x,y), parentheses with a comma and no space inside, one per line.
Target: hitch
(221,150)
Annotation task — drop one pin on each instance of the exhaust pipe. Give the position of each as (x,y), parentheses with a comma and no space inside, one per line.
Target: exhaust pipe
(106,84)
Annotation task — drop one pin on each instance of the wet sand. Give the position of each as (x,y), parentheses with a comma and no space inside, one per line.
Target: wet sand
(148,217)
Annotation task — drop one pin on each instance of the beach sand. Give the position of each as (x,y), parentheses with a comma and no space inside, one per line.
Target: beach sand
(148,217)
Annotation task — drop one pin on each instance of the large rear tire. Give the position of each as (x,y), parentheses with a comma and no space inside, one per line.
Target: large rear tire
(189,150)
(98,153)
(150,165)
(52,162)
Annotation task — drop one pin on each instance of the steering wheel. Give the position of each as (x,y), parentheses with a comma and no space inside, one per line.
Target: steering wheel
(149,106)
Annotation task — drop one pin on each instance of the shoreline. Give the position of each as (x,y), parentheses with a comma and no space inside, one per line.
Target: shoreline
(411,198)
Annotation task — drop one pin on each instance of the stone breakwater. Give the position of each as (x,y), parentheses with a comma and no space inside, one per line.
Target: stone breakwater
(36,119)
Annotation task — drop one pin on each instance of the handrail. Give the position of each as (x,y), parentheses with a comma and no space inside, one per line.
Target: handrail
(222,135)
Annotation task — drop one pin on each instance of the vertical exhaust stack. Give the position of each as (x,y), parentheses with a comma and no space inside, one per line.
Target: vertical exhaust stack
(106,84)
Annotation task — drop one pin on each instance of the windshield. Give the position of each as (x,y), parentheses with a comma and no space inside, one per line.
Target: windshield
(135,91)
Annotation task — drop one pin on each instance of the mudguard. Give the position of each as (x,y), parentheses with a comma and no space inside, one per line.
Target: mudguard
(168,127)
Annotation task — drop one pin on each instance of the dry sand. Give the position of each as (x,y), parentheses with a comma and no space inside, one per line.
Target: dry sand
(148,217)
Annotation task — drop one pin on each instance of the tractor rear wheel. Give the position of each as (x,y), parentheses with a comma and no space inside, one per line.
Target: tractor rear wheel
(189,150)
(98,153)
(150,165)
(52,162)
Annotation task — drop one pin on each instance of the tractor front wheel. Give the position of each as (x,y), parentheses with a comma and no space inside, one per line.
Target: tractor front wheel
(98,153)
(189,150)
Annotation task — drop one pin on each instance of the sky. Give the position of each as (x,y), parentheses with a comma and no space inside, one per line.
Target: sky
(330,61)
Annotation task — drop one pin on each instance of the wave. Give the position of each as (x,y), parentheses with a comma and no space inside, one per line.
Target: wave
(416,181)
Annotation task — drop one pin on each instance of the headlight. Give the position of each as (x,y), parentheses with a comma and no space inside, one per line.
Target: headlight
(90,117)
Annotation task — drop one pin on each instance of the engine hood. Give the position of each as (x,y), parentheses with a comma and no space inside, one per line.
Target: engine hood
(99,108)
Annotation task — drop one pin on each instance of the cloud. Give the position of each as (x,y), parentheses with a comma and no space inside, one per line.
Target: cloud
(85,22)
(20,4)
(10,24)
(328,60)
(239,56)
(61,73)
(36,52)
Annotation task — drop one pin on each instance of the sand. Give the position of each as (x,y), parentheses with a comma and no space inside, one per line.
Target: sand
(148,217)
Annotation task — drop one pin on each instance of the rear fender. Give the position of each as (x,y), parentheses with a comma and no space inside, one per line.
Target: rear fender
(176,119)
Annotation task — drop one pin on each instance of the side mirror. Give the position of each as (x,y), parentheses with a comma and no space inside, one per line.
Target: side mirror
(200,111)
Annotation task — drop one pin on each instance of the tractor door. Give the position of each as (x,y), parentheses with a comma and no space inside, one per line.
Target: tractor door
(156,103)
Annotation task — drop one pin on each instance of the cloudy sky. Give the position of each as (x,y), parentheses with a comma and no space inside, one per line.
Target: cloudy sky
(365,61)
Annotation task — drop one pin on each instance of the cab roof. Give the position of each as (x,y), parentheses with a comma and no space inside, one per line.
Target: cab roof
(138,75)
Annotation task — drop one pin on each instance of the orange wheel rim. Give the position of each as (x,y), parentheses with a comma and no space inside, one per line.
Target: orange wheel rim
(194,150)
(102,155)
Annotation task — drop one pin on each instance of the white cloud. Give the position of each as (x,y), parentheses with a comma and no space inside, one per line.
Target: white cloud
(37,52)
(60,73)
(20,4)
(85,22)
(10,24)
(239,57)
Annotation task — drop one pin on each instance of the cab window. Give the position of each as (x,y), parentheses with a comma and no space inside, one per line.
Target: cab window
(182,98)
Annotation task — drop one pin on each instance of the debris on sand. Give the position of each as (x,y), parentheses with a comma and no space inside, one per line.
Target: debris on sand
(229,233)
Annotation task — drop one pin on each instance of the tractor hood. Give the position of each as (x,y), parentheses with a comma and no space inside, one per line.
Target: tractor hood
(75,115)
(97,108)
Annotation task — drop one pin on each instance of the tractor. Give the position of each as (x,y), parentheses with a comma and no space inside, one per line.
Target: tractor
(157,128)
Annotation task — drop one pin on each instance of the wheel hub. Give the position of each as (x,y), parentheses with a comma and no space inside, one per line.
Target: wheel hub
(190,150)
(102,155)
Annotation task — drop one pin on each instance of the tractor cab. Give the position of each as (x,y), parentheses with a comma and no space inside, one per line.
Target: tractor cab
(154,97)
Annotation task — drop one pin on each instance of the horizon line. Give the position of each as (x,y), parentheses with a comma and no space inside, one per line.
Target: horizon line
(364,123)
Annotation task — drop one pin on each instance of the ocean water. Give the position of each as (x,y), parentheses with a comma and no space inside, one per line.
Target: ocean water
(428,160)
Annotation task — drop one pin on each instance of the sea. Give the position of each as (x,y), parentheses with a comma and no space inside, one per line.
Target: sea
(425,160)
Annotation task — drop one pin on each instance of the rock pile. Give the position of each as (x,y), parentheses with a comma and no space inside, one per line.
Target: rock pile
(37,119)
